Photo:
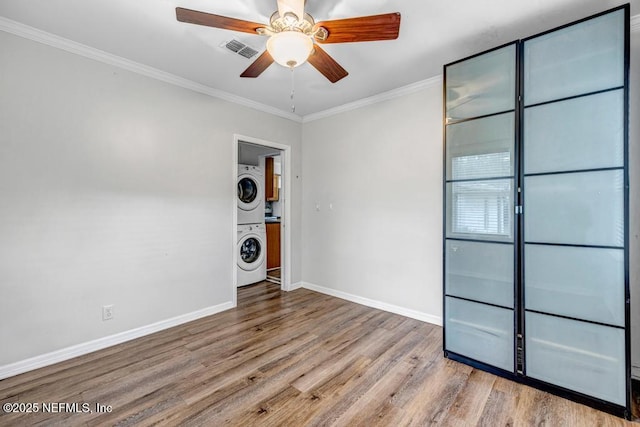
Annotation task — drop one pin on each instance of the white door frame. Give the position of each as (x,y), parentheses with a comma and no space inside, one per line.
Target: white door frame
(285,231)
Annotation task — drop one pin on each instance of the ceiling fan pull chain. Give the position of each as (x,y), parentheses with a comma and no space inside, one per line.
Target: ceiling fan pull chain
(293,104)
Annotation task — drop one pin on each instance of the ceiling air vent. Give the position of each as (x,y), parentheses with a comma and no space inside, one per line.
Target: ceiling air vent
(241,48)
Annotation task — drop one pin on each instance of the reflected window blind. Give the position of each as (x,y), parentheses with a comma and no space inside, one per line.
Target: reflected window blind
(482,207)
(481,166)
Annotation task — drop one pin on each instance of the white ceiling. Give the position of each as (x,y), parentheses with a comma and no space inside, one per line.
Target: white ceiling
(432,33)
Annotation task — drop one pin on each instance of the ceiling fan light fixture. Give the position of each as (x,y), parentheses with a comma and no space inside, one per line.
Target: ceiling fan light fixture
(295,38)
(290,48)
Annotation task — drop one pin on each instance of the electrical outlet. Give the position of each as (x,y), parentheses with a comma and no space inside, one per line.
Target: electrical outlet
(107,312)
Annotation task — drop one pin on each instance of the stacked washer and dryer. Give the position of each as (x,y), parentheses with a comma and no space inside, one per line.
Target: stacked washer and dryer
(252,234)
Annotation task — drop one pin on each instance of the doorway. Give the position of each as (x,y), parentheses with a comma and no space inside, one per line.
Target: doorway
(273,215)
(273,161)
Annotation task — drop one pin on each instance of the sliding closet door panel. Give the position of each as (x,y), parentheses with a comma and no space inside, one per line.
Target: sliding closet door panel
(577,134)
(480,148)
(481,332)
(577,282)
(579,59)
(480,158)
(481,85)
(575,208)
(536,261)
(480,271)
(480,210)
(580,356)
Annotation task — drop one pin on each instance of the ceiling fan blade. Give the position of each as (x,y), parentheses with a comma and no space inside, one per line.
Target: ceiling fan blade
(328,66)
(295,6)
(362,29)
(259,65)
(216,21)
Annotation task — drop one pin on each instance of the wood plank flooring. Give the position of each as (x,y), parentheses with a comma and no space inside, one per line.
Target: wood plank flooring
(286,359)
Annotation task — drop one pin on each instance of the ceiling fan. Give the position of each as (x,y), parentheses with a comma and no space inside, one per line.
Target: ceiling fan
(294,36)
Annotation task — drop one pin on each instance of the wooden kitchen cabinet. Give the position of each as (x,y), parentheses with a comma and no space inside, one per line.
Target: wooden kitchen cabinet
(273,245)
(271,181)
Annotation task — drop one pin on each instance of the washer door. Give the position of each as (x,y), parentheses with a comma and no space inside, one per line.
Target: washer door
(250,252)
(249,190)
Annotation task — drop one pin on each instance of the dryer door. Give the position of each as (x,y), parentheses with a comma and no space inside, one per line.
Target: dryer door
(249,191)
(251,252)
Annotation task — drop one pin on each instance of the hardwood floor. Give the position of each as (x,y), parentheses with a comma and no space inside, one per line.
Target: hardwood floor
(287,359)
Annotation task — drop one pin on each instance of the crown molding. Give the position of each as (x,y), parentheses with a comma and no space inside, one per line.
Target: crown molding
(53,40)
(384,96)
(405,90)
(34,34)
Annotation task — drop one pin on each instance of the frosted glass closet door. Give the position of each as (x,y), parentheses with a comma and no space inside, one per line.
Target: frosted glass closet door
(479,201)
(482,85)
(574,207)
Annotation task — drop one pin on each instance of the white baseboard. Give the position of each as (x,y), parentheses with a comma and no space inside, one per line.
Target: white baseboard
(67,353)
(297,285)
(635,372)
(407,312)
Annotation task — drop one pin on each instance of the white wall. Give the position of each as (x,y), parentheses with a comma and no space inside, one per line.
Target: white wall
(115,188)
(380,167)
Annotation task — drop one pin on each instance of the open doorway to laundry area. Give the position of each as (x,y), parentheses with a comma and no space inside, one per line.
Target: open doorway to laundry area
(262,212)
(273,215)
